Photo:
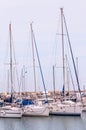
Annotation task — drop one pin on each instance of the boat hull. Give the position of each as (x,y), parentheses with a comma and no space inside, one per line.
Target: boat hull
(10,112)
(36,111)
(64,114)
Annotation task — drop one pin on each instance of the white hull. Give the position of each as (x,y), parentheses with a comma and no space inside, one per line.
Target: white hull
(35,111)
(10,112)
(66,108)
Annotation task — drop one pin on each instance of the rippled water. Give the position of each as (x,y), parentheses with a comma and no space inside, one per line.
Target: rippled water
(44,123)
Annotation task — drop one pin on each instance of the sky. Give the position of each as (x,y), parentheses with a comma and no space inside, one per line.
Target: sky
(45,16)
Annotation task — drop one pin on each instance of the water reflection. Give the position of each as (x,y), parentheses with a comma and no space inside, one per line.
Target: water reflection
(44,123)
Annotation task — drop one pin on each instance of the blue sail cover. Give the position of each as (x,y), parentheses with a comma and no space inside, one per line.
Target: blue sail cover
(27,102)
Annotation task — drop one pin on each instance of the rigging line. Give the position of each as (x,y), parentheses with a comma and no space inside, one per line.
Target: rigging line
(20,79)
(6,49)
(69,66)
(39,65)
(71,75)
(56,41)
(15,61)
(72,57)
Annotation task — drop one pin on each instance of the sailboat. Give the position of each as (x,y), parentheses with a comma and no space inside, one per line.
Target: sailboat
(10,111)
(66,106)
(36,110)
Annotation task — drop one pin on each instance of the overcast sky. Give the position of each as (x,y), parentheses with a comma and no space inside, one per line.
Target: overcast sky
(45,16)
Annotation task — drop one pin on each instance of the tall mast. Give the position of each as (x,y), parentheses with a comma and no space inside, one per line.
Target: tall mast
(33,57)
(23,78)
(11,74)
(8,80)
(54,79)
(63,50)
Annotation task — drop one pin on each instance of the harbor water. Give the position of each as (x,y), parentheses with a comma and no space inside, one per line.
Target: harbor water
(44,123)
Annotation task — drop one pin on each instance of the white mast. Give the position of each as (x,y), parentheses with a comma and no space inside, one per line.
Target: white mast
(63,50)
(11,65)
(33,57)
